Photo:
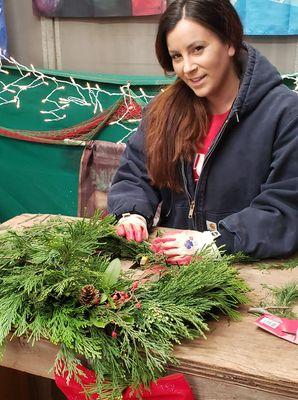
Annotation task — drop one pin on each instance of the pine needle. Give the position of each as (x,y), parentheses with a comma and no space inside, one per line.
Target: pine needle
(287,263)
(126,331)
(283,299)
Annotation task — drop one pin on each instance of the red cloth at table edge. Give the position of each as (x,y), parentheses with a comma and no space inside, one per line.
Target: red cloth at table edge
(171,387)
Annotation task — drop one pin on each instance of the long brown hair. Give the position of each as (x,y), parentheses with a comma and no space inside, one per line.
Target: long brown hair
(177,119)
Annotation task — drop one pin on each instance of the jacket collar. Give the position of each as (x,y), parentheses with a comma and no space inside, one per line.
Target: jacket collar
(258,78)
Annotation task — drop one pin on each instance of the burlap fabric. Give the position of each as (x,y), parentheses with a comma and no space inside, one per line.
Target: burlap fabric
(99,163)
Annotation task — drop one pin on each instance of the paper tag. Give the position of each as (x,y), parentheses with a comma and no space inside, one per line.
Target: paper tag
(282,327)
(267,321)
(211,226)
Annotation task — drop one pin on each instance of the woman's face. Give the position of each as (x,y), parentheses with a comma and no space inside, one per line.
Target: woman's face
(201,59)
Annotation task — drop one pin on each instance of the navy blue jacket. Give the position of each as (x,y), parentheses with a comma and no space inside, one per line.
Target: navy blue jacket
(248,186)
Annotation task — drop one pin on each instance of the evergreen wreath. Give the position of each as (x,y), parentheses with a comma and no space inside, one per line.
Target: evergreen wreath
(62,281)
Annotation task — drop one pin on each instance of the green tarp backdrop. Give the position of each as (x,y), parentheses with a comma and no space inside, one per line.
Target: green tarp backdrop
(40,177)
(43,178)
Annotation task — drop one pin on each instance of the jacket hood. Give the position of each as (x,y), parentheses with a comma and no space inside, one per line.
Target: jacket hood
(259,77)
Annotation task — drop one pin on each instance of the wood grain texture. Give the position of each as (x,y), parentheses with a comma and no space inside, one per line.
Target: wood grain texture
(36,360)
(237,361)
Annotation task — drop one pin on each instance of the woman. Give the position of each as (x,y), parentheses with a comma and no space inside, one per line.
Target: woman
(217,148)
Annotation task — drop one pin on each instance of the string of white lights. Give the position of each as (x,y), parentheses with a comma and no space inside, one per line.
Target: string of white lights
(56,101)
(56,105)
(130,132)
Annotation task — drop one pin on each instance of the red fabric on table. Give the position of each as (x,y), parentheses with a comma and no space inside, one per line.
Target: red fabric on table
(74,390)
(171,387)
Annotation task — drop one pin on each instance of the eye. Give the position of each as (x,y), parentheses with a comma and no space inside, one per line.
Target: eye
(198,49)
(175,57)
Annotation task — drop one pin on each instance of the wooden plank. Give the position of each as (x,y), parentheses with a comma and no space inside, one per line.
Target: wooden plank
(24,220)
(217,389)
(238,360)
(239,352)
(22,356)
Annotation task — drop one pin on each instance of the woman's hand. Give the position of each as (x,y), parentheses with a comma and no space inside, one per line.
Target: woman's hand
(132,227)
(180,246)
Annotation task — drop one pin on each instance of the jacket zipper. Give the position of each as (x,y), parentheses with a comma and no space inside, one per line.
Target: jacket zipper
(191,209)
(191,201)
(171,206)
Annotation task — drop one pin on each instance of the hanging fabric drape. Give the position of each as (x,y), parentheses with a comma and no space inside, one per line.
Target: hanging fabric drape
(99,162)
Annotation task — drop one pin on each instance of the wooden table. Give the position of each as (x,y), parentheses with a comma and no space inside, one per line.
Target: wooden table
(238,361)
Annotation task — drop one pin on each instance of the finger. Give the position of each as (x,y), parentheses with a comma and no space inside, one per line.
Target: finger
(154,247)
(180,263)
(168,239)
(157,243)
(169,246)
(129,232)
(120,230)
(145,234)
(138,234)
(164,240)
(174,258)
(184,260)
(170,252)
(157,240)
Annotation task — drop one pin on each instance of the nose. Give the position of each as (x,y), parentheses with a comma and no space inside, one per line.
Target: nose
(188,65)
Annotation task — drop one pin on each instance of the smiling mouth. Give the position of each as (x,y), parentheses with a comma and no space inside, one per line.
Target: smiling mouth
(198,80)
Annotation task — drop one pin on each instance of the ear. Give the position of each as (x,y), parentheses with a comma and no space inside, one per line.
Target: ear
(231,50)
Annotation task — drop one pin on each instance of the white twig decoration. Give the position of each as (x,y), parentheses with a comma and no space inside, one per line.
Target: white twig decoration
(57,101)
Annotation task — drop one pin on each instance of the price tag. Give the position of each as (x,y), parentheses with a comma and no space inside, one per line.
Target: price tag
(282,327)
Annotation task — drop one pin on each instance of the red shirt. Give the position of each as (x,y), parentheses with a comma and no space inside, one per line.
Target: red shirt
(216,123)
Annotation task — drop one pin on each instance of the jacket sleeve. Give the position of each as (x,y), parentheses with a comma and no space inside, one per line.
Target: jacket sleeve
(269,226)
(131,190)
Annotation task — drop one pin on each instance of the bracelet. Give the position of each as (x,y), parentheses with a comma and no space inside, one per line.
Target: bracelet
(138,216)
(125,215)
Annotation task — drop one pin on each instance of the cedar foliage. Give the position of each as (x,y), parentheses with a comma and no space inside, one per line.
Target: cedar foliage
(127,335)
(282,300)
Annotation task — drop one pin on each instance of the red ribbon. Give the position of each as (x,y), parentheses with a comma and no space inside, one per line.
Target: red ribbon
(171,387)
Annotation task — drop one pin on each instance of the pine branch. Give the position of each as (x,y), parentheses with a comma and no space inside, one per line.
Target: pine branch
(125,331)
(289,263)
(282,300)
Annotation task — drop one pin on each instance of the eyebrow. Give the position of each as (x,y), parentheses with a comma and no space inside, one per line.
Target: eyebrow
(193,44)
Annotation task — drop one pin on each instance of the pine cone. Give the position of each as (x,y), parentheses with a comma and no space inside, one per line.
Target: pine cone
(89,295)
